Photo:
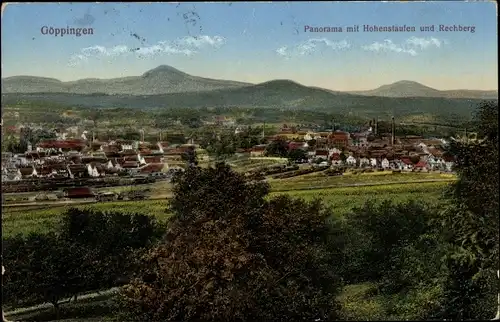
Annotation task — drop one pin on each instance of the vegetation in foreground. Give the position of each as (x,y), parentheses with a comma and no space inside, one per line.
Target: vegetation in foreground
(392,260)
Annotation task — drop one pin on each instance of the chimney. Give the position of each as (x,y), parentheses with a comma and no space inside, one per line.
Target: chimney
(264,130)
(392,131)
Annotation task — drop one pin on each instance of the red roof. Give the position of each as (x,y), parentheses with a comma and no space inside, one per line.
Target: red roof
(421,164)
(152,159)
(130,164)
(339,136)
(406,161)
(335,157)
(321,152)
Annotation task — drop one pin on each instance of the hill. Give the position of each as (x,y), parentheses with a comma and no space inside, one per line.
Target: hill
(407,88)
(282,94)
(168,80)
(160,80)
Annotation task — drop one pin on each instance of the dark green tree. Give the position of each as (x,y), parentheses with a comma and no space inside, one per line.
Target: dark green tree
(190,157)
(277,148)
(231,255)
(471,221)
(297,155)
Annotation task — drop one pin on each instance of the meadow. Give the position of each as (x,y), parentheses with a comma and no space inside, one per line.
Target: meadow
(23,220)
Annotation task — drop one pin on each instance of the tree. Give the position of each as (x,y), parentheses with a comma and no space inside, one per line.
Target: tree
(471,221)
(414,159)
(343,157)
(43,268)
(278,148)
(297,155)
(231,255)
(190,157)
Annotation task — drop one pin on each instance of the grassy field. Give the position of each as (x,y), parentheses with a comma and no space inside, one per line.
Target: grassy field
(341,199)
(22,220)
(319,179)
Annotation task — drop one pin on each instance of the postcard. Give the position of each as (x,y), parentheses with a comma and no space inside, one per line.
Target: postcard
(250,161)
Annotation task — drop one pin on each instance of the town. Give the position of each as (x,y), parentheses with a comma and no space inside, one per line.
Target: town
(73,160)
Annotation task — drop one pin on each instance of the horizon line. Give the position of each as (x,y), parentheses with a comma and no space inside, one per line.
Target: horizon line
(252,83)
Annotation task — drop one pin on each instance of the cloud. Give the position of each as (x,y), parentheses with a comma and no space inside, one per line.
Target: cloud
(186,46)
(411,46)
(423,43)
(202,41)
(310,46)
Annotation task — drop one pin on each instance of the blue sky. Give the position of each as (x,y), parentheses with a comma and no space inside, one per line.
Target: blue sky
(257,42)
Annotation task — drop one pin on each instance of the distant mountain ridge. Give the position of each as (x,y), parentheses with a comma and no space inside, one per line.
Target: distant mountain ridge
(160,80)
(165,79)
(406,88)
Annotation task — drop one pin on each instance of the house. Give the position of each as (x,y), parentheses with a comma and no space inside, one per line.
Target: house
(11,175)
(258,150)
(338,139)
(335,159)
(43,171)
(449,162)
(152,159)
(373,162)
(162,146)
(436,163)
(364,162)
(321,154)
(308,136)
(113,164)
(359,140)
(351,161)
(92,171)
(59,170)
(384,163)
(422,166)
(406,164)
(77,171)
(28,172)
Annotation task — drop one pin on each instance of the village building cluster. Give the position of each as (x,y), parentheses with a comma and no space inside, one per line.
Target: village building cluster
(65,157)
(365,149)
(80,158)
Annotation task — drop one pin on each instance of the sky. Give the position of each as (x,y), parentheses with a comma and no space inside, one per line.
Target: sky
(257,42)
